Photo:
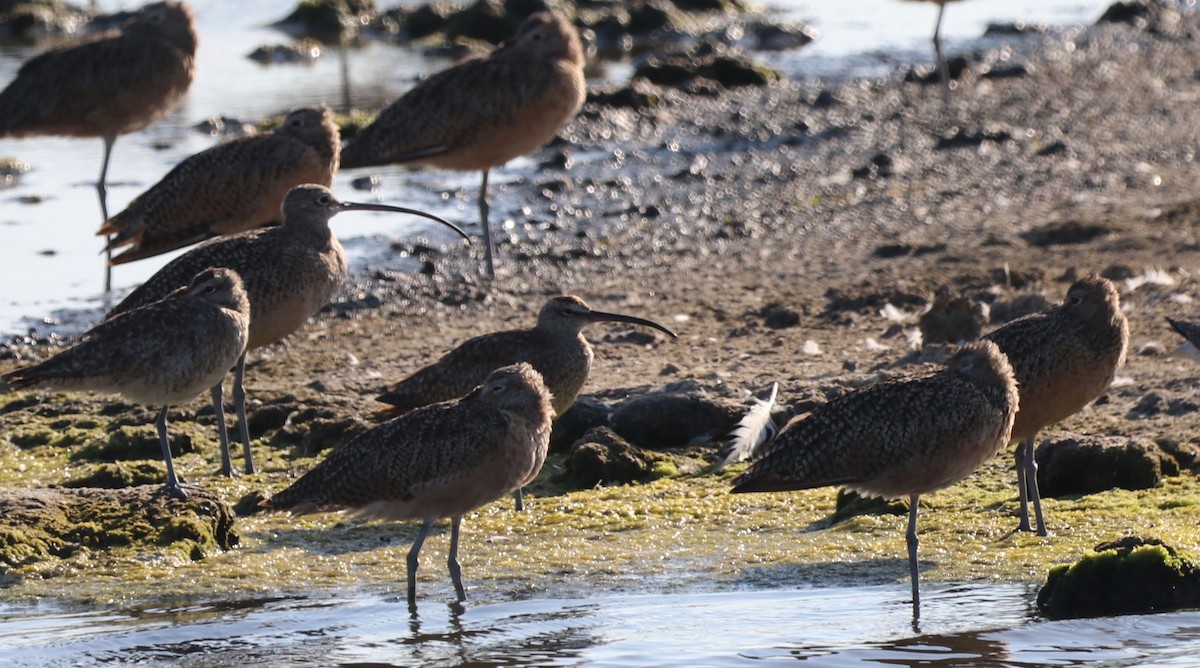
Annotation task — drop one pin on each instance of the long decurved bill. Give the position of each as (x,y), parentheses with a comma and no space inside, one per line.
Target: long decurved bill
(355,206)
(601,316)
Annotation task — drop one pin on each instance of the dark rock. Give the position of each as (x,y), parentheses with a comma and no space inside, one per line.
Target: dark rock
(120,474)
(130,442)
(427,20)
(1159,402)
(956,68)
(327,20)
(1053,148)
(963,138)
(851,504)
(484,20)
(868,298)
(1071,465)
(889,251)
(648,15)
(32,19)
(1006,72)
(637,97)
(662,420)
(585,414)
(1015,28)
(274,54)
(1135,12)
(603,457)
(725,68)
(1065,233)
(779,316)
(311,436)
(771,36)
(38,525)
(1131,575)
(952,317)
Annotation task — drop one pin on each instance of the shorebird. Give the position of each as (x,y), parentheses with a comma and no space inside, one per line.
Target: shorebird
(943,69)
(483,112)
(443,460)
(290,272)
(163,353)
(903,437)
(555,347)
(1190,348)
(229,188)
(1064,356)
(107,86)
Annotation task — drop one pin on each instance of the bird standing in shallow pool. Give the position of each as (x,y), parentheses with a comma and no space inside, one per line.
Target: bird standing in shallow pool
(555,347)
(1064,356)
(106,86)
(165,352)
(291,271)
(483,112)
(229,188)
(943,69)
(443,460)
(904,437)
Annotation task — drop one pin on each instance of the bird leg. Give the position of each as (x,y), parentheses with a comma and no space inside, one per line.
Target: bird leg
(943,68)
(912,540)
(239,403)
(218,402)
(519,497)
(1022,488)
(1031,485)
(413,554)
(173,487)
(102,193)
(487,231)
(452,561)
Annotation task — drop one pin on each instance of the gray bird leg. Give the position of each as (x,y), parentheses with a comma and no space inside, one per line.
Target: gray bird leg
(173,487)
(218,402)
(239,402)
(413,554)
(452,561)
(102,193)
(487,231)
(519,497)
(912,540)
(1031,483)
(943,68)
(1022,488)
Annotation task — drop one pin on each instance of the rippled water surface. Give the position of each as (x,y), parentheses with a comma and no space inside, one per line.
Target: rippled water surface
(962,625)
(48,252)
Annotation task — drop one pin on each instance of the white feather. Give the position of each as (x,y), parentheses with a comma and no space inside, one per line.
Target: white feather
(754,429)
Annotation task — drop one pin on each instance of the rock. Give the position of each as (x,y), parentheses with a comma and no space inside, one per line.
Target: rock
(639,96)
(134,442)
(1127,576)
(963,138)
(705,63)
(304,51)
(37,525)
(31,19)
(427,20)
(952,317)
(310,437)
(851,504)
(603,457)
(661,420)
(327,20)
(1065,233)
(779,316)
(1070,464)
(585,414)
(120,474)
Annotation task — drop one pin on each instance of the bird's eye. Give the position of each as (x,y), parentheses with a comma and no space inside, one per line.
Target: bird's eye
(295,122)
(323,200)
(1076,300)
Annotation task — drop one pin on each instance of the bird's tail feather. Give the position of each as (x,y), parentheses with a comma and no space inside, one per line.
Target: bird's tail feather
(754,429)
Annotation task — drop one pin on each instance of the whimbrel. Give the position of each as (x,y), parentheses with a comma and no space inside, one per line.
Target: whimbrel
(1064,356)
(1190,348)
(483,112)
(290,271)
(229,188)
(943,69)
(107,86)
(443,460)
(555,347)
(903,437)
(162,353)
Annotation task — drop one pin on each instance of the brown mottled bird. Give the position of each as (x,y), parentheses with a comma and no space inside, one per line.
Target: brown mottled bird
(903,437)
(107,86)
(1064,356)
(162,353)
(555,347)
(229,188)
(443,460)
(290,271)
(483,112)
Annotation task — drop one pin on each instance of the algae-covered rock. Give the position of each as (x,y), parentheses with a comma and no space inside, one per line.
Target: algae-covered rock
(662,420)
(1070,464)
(583,415)
(1127,576)
(603,457)
(41,524)
(119,474)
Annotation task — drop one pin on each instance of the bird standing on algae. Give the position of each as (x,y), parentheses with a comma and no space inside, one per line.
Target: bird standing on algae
(106,86)
(483,112)
(443,460)
(904,437)
(1064,356)
(162,353)
(556,348)
(229,188)
(291,271)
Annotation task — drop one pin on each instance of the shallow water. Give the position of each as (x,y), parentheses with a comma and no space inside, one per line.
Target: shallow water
(962,625)
(48,252)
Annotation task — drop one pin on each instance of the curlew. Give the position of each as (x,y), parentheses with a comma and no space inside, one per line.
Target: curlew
(555,347)
(1190,348)
(443,460)
(903,437)
(939,59)
(483,112)
(229,188)
(290,272)
(1064,356)
(162,353)
(106,86)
